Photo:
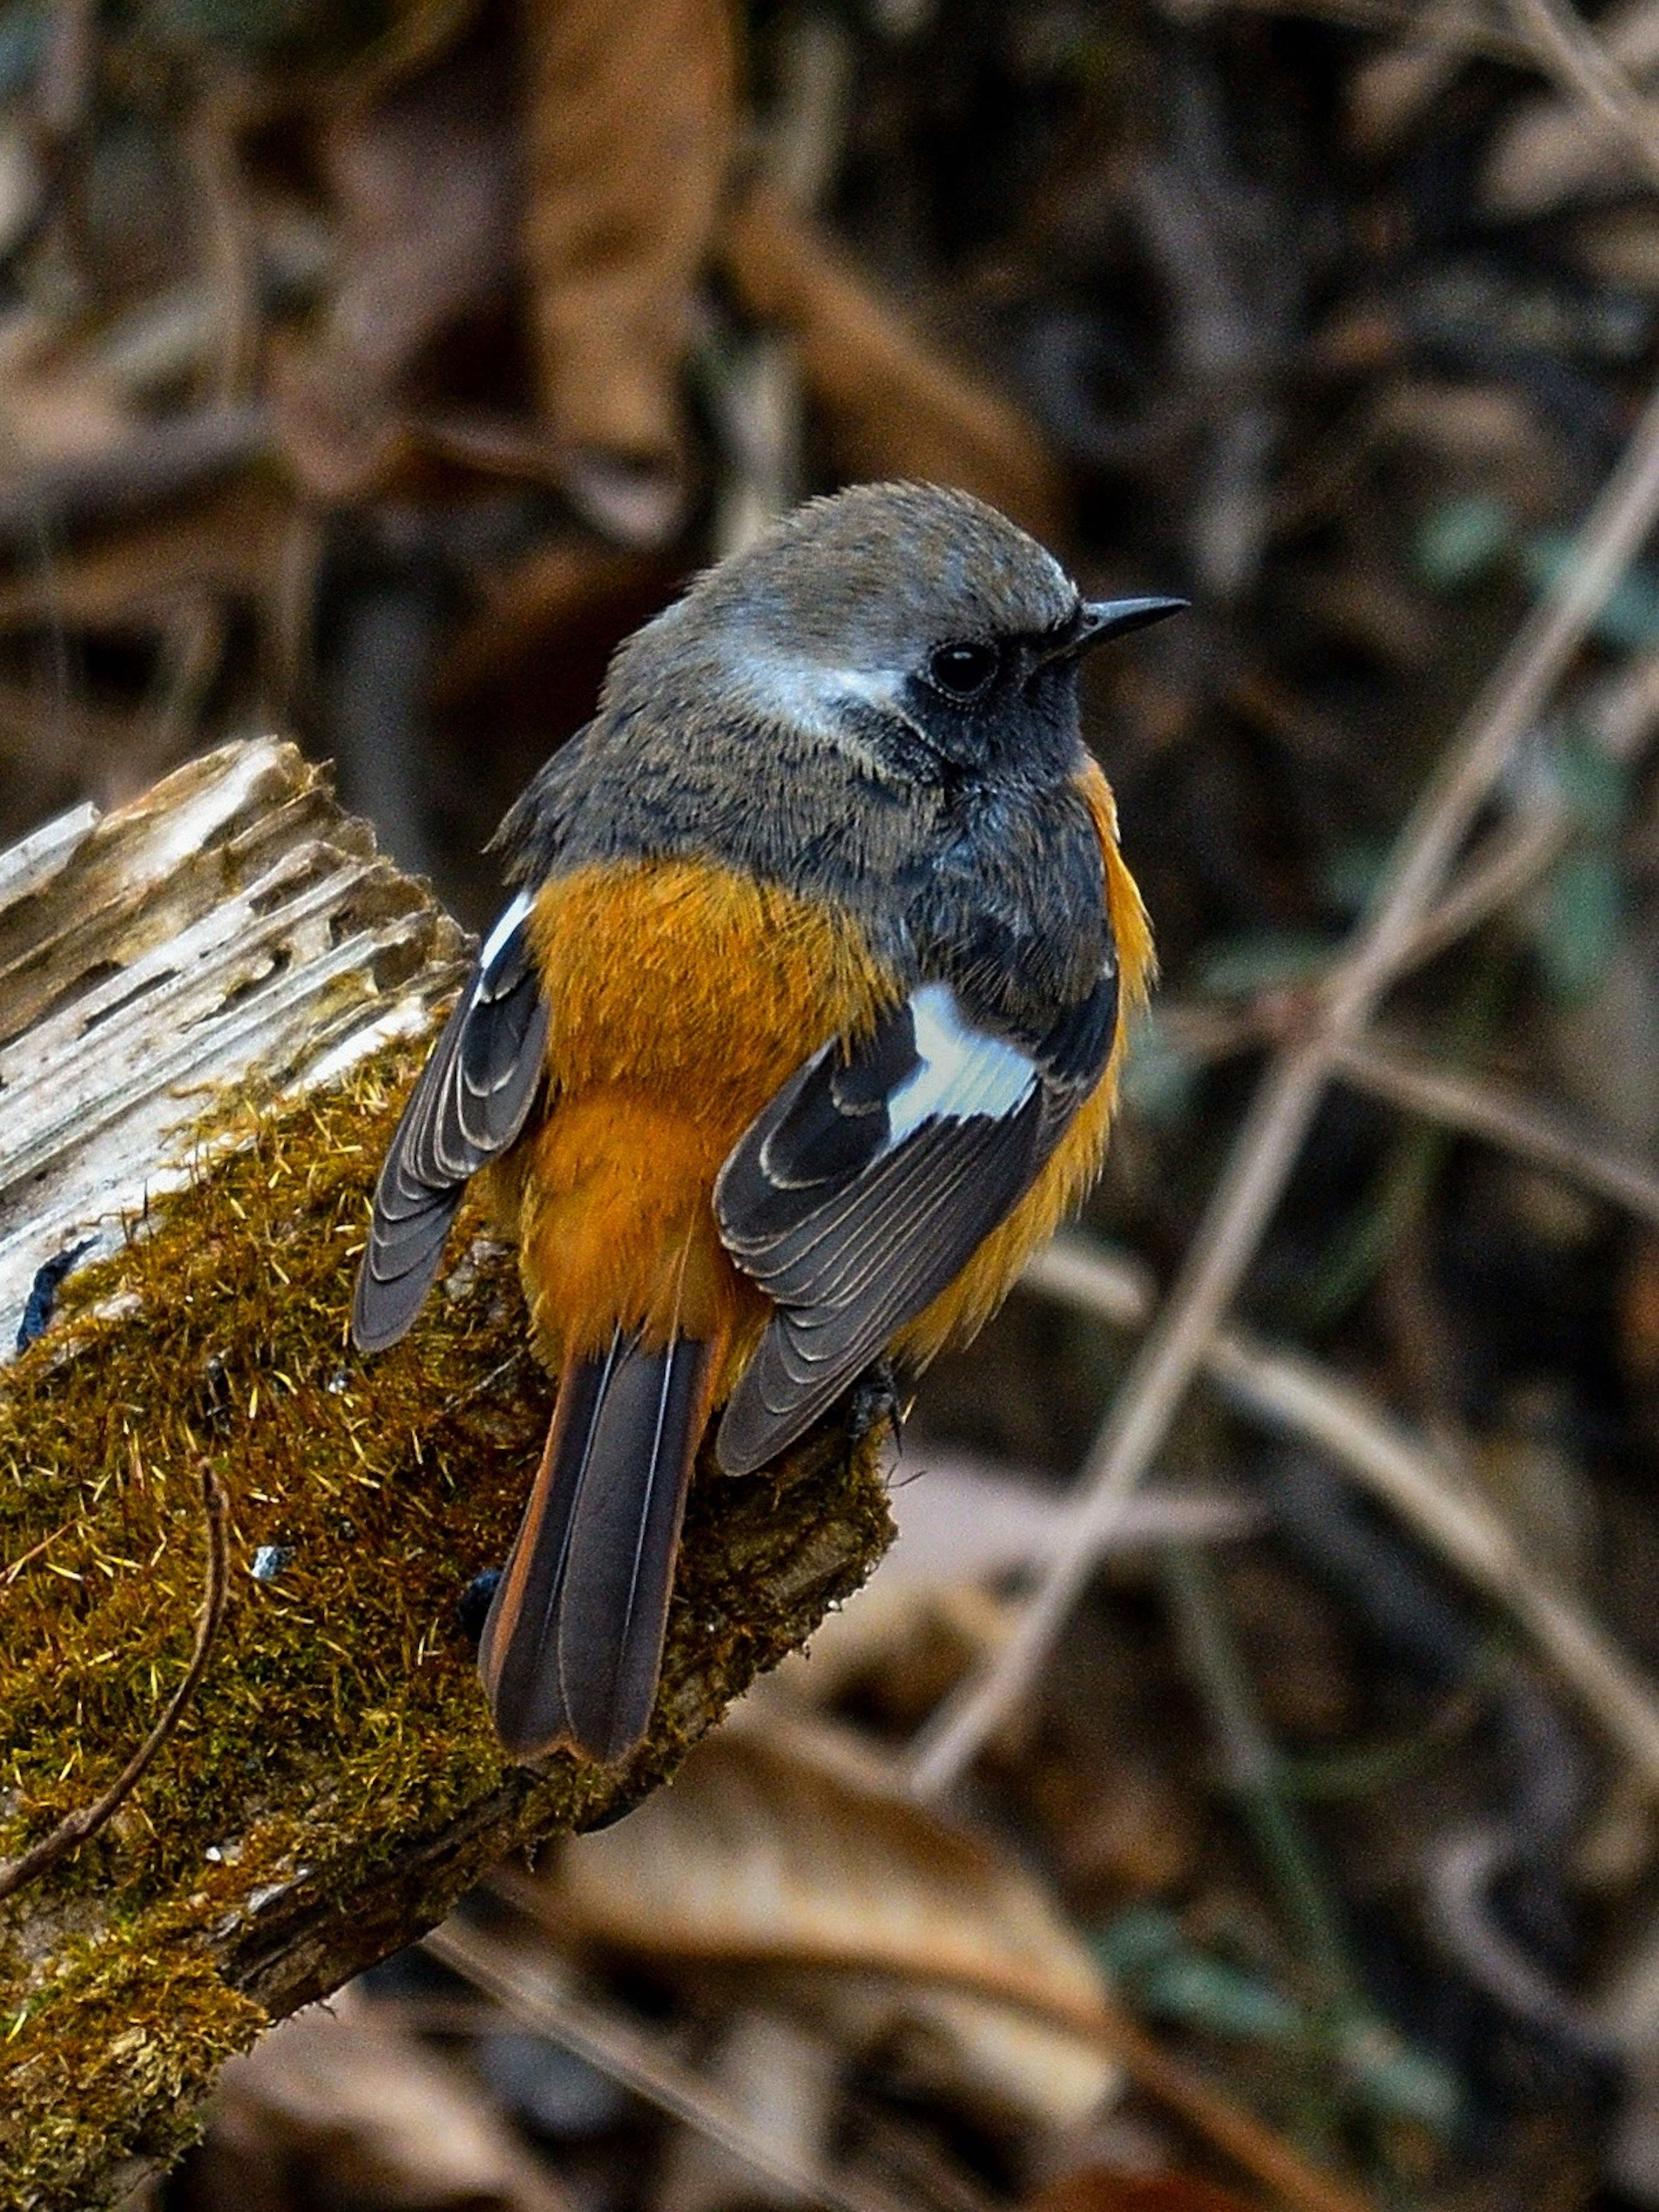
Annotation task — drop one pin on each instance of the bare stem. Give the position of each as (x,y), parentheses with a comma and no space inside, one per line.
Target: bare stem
(1509,862)
(1489,1109)
(1588,74)
(1266,1149)
(73,1831)
(1298,1396)
(1397,22)
(540,1998)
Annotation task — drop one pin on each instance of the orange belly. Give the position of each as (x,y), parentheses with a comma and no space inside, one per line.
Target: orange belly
(683,997)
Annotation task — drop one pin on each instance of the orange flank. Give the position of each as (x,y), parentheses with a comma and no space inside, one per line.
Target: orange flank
(683,997)
(979,1289)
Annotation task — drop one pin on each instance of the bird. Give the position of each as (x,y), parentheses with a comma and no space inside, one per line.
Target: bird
(800,1030)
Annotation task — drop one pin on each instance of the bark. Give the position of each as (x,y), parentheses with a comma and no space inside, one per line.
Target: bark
(214,999)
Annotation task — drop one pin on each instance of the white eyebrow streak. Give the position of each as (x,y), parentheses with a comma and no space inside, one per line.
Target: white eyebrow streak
(807,694)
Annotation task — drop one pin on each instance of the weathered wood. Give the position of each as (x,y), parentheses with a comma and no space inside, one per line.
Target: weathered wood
(212,1003)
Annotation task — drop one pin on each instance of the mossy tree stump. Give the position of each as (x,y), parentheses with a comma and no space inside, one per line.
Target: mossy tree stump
(213,1001)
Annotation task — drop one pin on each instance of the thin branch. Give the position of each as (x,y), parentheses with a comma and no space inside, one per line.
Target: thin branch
(1428,1491)
(71,1833)
(1403,22)
(538,1997)
(1250,1774)
(1485,1109)
(1507,863)
(1570,51)
(151,464)
(541,1999)
(1268,1146)
(1298,1396)
(230,245)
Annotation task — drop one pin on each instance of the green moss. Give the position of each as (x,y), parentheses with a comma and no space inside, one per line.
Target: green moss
(338,1763)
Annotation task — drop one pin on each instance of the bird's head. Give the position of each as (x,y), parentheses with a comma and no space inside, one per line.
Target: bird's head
(915,630)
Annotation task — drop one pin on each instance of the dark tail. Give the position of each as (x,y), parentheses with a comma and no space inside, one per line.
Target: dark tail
(573,1646)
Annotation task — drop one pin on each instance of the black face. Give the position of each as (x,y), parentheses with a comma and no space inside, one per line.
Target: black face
(983,706)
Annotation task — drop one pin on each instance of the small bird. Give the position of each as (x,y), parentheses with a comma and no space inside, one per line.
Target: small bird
(801,1029)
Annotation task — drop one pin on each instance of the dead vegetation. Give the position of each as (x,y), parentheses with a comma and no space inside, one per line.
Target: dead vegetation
(1241,1777)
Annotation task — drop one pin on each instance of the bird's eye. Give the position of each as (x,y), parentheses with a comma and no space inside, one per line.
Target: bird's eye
(963,672)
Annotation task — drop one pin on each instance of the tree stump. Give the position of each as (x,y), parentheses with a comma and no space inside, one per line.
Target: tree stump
(213,1001)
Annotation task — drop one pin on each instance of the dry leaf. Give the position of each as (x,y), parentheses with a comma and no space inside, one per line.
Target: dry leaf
(783,2078)
(1099,2189)
(585,155)
(1638,1314)
(628,133)
(550,622)
(965,1525)
(352,2114)
(896,1653)
(227,543)
(787,1851)
(57,403)
(1390,89)
(1620,247)
(410,261)
(895,407)
(963,1520)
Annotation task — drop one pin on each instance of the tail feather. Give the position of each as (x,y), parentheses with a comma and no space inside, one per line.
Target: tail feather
(573,1646)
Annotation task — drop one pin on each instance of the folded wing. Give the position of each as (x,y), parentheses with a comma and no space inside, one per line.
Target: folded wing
(861,1192)
(469,1103)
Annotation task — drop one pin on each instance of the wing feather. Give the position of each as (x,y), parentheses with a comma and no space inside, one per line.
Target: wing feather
(468,1105)
(866,1186)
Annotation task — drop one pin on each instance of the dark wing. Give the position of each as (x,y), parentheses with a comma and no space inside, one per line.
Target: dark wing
(468,1103)
(863,1189)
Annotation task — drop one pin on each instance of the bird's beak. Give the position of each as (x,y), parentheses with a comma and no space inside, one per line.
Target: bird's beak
(1104,618)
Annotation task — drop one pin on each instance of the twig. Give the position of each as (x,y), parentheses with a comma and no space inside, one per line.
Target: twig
(151,464)
(1485,1109)
(538,1997)
(1297,1395)
(1268,1146)
(1403,22)
(1587,73)
(1292,1393)
(1460,1871)
(542,2001)
(1507,863)
(229,247)
(71,1833)
(1250,1772)
(1618,715)
(63,87)
(1390,90)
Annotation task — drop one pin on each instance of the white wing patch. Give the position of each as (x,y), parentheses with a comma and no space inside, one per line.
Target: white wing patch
(504,928)
(963,1072)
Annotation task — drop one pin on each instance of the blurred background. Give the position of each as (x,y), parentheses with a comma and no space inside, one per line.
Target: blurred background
(367,371)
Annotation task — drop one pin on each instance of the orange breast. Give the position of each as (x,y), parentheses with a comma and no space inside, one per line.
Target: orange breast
(682,997)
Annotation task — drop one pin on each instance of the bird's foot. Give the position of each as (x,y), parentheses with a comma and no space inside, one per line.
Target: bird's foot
(878,1401)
